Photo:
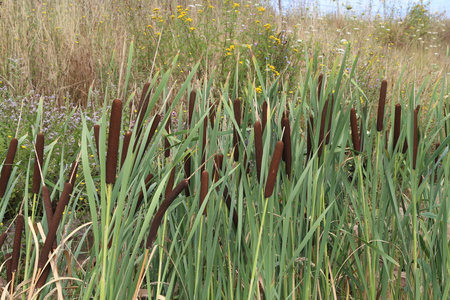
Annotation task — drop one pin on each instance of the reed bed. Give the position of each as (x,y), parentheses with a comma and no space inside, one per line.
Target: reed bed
(286,195)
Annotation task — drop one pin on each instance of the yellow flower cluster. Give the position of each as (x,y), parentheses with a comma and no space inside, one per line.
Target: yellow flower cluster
(275,39)
(274,71)
(267,26)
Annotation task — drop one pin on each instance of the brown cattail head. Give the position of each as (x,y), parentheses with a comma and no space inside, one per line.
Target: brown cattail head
(218,162)
(192,97)
(155,124)
(205,130)
(142,108)
(147,181)
(273,170)
(319,86)
(125,146)
(38,161)
(397,122)
(309,137)
(170,182)
(355,134)
(264,115)
(7,166)
(257,127)
(322,127)
(47,204)
(204,188)
(97,138)
(8,267)
(162,210)
(17,243)
(381,105)
(113,141)
(166,140)
(287,149)
(416,135)
(212,113)
(237,117)
(3,238)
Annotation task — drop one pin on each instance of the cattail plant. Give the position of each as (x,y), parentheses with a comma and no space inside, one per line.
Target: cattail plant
(416,135)
(309,136)
(38,161)
(7,166)
(97,138)
(205,130)
(187,171)
(170,182)
(257,128)
(16,248)
(152,132)
(330,119)
(397,122)
(322,128)
(203,189)
(167,127)
(47,204)
(8,267)
(113,141)
(264,115)
(73,173)
(147,182)
(192,97)
(51,235)
(237,117)
(273,170)
(142,108)
(125,146)
(381,105)
(355,134)
(3,238)
(162,210)
(218,162)
(212,113)
(319,86)
(287,149)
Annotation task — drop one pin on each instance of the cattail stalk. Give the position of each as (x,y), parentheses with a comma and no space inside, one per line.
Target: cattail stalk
(309,136)
(397,122)
(218,163)
(73,173)
(7,166)
(166,140)
(142,108)
(51,235)
(319,86)
(212,113)
(162,210)
(330,119)
(257,128)
(264,115)
(416,136)
(38,161)
(322,127)
(355,134)
(287,149)
(125,146)
(203,189)
(273,170)
(381,105)
(152,132)
(187,171)
(113,141)
(237,117)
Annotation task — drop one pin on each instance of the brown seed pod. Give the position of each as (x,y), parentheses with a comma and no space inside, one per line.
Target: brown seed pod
(416,135)
(218,162)
(38,161)
(287,149)
(257,128)
(47,204)
(97,139)
(212,113)
(3,238)
(113,141)
(162,210)
(204,188)
(355,134)
(187,171)
(170,182)
(319,86)
(142,108)
(273,170)
(125,146)
(155,124)
(166,140)
(397,122)
(381,105)
(204,139)
(192,98)
(237,117)
(264,115)
(227,198)
(17,243)
(8,267)
(7,166)
(309,136)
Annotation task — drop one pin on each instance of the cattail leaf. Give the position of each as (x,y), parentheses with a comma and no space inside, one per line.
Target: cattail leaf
(152,131)
(319,86)
(147,181)
(142,108)
(264,115)
(354,128)
(273,169)
(218,162)
(38,161)
(322,128)
(113,141)
(7,166)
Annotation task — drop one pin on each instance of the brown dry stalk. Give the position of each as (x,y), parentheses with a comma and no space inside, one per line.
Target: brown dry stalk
(309,136)
(147,181)
(113,141)
(397,122)
(170,182)
(125,146)
(3,238)
(257,127)
(155,124)
(17,243)
(218,162)
(273,170)
(51,235)
(322,127)
(7,166)
(237,117)
(203,189)
(38,161)
(381,105)
(142,108)
(162,210)
(416,135)
(192,97)
(355,134)
(167,127)
(73,173)
(287,149)
(264,115)
(47,204)
(319,86)
(97,139)
(212,113)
